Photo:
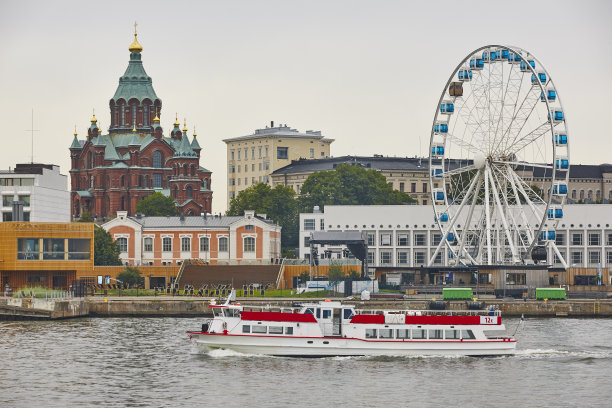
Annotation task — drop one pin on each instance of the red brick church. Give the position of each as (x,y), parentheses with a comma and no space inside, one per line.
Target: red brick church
(114,171)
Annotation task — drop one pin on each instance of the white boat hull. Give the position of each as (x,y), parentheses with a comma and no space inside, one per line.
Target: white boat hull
(335,346)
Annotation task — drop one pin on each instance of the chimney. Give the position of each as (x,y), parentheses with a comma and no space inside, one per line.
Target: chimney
(272,124)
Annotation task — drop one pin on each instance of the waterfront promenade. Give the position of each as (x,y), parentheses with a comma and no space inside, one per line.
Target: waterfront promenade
(165,306)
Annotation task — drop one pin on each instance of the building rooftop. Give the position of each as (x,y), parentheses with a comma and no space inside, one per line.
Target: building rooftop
(280,131)
(31,168)
(210,221)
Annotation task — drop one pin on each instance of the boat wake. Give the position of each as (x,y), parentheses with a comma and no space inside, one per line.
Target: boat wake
(226,353)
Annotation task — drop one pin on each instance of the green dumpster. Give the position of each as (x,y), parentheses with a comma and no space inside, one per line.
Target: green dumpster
(550,293)
(457,293)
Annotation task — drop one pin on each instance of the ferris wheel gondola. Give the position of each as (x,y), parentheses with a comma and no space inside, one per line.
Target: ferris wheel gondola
(499,159)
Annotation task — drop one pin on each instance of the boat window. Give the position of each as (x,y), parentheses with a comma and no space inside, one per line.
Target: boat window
(451,334)
(370,333)
(403,333)
(231,312)
(217,312)
(260,329)
(288,330)
(318,313)
(327,314)
(467,334)
(348,313)
(246,328)
(419,334)
(275,330)
(385,333)
(435,334)
(309,310)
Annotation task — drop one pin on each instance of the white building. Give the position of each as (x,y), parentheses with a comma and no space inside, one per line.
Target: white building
(41,188)
(406,236)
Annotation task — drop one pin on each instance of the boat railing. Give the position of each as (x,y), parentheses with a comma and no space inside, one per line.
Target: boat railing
(489,312)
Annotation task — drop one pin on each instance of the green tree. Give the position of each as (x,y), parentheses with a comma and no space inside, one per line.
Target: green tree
(335,274)
(86,216)
(157,204)
(349,185)
(130,276)
(106,251)
(277,203)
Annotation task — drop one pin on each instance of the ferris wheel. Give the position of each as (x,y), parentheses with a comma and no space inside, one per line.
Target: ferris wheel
(499,161)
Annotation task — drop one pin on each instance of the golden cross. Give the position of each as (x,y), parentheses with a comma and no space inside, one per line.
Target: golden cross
(135,25)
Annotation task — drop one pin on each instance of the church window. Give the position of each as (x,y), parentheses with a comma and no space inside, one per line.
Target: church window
(134,114)
(204,184)
(189,192)
(192,171)
(175,194)
(139,181)
(91,160)
(91,181)
(122,114)
(147,181)
(146,115)
(185,169)
(122,181)
(157,159)
(157,180)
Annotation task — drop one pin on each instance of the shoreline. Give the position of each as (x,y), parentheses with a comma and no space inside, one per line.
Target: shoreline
(167,306)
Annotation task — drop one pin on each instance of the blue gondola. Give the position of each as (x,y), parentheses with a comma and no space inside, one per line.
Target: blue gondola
(437,150)
(441,128)
(464,75)
(560,189)
(562,164)
(551,95)
(447,108)
(548,235)
(525,67)
(560,139)
(476,63)
(494,56)
(485,56)
(505,54)
(541,77)
(443,217)
(557,115)
(450,237)
(555,213)
(436,172)
(438,195)
(514,58)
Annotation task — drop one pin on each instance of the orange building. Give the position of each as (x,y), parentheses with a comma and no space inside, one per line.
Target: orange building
(45,254)
(217,239)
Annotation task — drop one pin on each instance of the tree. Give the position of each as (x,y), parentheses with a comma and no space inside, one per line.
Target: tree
(349,185)
(130,276)
(157,204)
(106,251)
(277,203)
(86,216)
(335,274)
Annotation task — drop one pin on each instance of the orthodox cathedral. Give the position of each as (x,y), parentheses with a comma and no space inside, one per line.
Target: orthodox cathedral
(114,171)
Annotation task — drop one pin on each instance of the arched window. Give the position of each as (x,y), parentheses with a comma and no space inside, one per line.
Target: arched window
(192,170)
(598,195)
(590,194)
(122,242)
(185,169)
(249,244)
(147,181)
(204,244)
(185,244)
(157,159)
(204,184)
(175,192)
(108,181)
(582,194)
(189,192)
(122,181)
(91,160)
(139,181)
(223,244)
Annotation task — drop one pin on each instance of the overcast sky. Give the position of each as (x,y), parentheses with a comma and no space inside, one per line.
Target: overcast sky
(366,73)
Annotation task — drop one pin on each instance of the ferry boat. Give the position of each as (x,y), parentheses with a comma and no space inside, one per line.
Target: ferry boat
(330,328)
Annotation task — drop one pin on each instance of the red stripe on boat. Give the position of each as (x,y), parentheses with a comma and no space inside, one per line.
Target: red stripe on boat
(279,317)
(449,320)
(368,319)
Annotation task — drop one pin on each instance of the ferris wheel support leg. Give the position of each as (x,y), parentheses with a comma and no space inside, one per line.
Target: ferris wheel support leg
(518,201)
(487,214)
(554,247)
(515,256)
(469,217)
(452,223)
(535,211)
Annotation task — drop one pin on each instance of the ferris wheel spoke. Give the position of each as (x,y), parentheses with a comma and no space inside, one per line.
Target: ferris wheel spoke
(523,113)
(530,137)
(463,144)
(510,179)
